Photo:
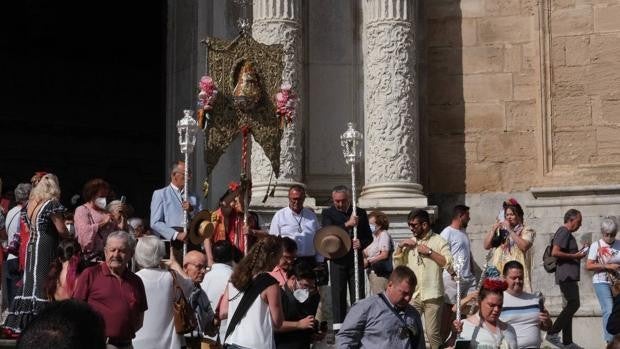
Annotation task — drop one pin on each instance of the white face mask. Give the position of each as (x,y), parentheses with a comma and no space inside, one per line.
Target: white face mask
(373,228)
(101,202)
(301,294)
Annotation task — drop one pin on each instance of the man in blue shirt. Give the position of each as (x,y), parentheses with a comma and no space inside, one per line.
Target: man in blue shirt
(168,208)
(386,320)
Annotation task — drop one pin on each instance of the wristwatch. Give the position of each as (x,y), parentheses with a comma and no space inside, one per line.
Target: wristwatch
(430,252)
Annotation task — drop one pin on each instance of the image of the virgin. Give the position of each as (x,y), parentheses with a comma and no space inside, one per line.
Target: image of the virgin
(247,91)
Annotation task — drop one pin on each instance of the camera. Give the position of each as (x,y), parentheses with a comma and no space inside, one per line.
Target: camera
(499,237)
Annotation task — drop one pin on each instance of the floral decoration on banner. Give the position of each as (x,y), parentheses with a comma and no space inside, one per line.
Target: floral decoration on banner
(208,93)
(285,103)
(495,284)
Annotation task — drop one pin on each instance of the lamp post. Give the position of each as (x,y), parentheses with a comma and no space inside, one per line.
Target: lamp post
(351,142)
(188,128)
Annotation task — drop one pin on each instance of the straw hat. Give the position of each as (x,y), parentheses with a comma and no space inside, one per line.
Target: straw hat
(332,242)
(201,227)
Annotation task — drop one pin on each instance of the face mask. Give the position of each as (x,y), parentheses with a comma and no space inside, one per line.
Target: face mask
(100,202)
(373,228)
(301,294)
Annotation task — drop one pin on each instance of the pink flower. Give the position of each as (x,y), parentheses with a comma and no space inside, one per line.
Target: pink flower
(208,92)
(285,103)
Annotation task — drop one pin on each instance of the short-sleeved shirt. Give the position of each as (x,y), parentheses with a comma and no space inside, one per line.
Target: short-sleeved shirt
(119,301)
(299,227)
(459,246)
(381,242)
(601,252)
(567,268)
(522,312)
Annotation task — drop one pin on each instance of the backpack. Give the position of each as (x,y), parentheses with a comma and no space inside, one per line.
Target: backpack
(550,263)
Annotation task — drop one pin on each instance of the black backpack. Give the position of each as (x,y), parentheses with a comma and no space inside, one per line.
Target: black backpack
(550,263)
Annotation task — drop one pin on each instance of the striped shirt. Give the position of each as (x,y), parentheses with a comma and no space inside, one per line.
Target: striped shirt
(522,312)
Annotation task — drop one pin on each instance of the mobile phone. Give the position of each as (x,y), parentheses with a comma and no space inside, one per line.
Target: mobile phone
(584,249)
(123,199)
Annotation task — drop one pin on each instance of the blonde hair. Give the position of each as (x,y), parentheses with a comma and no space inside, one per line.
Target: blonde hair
(47,188)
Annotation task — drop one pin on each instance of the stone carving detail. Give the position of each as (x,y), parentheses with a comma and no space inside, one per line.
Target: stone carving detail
(278,22)
(390,94)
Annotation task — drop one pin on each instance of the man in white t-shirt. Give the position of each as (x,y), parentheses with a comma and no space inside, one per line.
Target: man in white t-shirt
(524,311)
(298,223)
(460,246)
(215,281)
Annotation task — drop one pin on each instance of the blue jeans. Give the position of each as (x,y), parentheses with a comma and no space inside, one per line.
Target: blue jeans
(603,293)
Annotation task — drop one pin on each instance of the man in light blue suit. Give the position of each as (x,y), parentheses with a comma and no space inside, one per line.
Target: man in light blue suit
(168,208)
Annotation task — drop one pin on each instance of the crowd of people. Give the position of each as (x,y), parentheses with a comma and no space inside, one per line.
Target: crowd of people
(98,276)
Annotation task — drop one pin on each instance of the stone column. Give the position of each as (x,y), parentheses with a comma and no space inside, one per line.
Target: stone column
(280,22)
(390,107)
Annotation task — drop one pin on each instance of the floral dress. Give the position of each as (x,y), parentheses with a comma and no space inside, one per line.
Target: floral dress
(41,252)
(509,251)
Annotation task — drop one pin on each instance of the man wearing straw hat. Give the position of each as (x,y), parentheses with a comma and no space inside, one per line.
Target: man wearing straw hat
(341,214)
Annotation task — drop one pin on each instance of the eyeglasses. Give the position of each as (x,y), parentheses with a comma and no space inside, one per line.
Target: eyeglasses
(199,266)
(414,225)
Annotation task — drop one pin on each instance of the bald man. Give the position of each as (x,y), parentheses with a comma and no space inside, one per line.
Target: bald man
(195,266)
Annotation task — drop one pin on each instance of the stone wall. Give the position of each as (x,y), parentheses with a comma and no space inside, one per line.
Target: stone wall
(520,94)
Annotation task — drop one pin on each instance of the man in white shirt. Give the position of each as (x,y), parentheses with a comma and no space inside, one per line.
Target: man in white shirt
(459,246)
(298,223)
(11,275)
(215,281)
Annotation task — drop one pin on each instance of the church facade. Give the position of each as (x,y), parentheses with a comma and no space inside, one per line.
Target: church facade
(459,101)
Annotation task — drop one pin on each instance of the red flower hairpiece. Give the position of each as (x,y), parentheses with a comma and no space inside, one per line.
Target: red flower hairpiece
(233,186)
(495,284)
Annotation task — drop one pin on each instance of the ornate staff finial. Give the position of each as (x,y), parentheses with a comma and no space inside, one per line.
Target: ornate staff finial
(243,22)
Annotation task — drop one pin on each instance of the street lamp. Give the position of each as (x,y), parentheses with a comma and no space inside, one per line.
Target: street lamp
(351,142)
(188,128)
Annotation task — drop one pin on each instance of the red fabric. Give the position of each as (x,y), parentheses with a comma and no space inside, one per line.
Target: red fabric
(24,238)
(231,230)
(119,301)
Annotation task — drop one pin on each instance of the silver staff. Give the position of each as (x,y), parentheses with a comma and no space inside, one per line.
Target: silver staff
(457,266)
(351,141)
(187,128)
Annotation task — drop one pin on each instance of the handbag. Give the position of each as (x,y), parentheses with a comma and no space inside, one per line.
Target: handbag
(614,284)
(184,317)
(383,268)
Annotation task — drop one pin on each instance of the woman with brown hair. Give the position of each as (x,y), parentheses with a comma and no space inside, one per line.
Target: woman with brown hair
(485,329)
(93,223)
(378,255)
(512,241)
(251,302)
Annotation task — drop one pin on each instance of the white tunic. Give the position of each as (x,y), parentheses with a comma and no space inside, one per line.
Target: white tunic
(158,328)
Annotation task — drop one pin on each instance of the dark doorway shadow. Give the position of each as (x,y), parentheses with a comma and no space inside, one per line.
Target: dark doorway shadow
(442,106)
(83,95)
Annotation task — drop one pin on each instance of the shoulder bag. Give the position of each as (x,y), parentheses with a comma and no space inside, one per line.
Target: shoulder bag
(184,317)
